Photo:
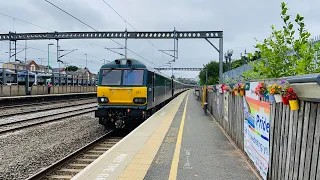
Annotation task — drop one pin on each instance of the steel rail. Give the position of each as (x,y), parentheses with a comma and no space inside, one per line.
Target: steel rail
(55,166)
(43,122)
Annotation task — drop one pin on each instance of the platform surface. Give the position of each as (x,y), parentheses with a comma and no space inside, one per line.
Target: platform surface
(177,142)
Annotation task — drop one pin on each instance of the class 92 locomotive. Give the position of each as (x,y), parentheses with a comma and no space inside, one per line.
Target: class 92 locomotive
(128,93)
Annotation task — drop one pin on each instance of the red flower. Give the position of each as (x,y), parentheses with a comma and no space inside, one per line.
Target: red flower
(290,94)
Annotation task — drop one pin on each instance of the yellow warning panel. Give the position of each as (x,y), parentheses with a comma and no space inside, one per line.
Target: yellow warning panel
(204,95)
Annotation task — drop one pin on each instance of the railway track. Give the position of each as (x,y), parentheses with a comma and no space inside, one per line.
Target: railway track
(42,103)
(69,166)
(39,110)
(17,125)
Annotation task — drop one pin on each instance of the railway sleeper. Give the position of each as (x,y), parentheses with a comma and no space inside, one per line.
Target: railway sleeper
(91,155)
(59,177)
(101,148)
(78,166)
(69,170)
(85,160)
(96,152)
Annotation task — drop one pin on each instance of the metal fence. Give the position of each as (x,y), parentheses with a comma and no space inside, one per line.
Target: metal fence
(294,141)
(237,72)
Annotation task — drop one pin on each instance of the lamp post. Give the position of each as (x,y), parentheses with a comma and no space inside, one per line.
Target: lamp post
(49,55)
(51,44)
(59,50)
(86,60)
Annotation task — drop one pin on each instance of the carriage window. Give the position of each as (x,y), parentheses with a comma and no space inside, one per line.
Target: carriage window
(132,77)
(111,77)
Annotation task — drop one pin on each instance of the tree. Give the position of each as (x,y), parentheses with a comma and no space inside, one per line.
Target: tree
(213,73)
(71,68)
(283,55)
(237,63)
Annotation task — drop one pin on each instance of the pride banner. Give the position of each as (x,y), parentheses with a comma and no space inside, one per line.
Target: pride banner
(256,131)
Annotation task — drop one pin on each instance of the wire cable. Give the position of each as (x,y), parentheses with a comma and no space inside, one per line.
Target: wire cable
(126,21)
(30,47)
(98,31)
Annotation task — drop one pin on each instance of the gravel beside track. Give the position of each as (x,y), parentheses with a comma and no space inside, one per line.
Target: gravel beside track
(44,106)
(54,112)
(24,152)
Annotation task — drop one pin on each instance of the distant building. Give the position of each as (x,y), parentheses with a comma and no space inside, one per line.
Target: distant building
(84,72)
(21,65)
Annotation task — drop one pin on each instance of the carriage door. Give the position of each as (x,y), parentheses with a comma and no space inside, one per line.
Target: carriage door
(172,88)
(153,85)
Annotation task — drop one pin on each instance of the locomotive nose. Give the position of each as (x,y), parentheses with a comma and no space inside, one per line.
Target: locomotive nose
(123,95)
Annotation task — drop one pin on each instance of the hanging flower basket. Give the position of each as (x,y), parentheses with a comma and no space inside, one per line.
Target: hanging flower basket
(278,98)
(294,104)
(266,96)
(291,96)
(242,93)
(235,93)
(236,89)
(226,88)
(285,100)
(271,98)
(242,89)
(261,90)
(274,92)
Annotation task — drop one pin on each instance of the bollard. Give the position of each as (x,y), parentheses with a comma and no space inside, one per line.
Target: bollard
(205,108)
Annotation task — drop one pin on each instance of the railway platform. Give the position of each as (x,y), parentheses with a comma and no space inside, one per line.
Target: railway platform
(178,142)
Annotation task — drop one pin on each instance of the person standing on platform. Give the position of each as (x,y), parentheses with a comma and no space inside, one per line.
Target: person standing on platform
(49,87)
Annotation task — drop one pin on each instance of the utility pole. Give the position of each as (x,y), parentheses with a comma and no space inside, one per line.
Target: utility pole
(49,56)
(25,53)
(41,61)
(126,44)
(206,77)
(59,82)
(25,63)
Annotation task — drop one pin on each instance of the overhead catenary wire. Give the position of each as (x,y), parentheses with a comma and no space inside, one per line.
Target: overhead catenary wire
(98,31)
(24,21)
(30,47)
(127,22)
(41,27)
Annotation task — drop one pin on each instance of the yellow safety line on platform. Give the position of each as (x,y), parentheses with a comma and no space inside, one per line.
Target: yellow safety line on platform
(175,159)
(138,167)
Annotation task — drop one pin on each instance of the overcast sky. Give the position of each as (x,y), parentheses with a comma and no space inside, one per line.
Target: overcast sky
(241,21)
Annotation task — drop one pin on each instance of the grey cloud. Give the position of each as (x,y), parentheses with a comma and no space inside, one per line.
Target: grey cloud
(241,21)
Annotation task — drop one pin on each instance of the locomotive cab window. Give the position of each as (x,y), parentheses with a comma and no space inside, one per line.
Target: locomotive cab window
(132,77)
(111,77)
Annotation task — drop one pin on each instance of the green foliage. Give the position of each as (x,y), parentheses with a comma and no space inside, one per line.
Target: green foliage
(277,59)
(71,68)
(186,81)
(237,63)
(213,73)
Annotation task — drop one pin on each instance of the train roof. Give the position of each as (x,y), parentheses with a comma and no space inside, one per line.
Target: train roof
(123,62)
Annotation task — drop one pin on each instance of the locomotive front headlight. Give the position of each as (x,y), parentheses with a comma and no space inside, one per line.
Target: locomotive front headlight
(103,100)
(139,100)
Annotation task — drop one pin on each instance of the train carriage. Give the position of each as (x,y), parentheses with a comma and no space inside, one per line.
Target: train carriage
(128,92)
